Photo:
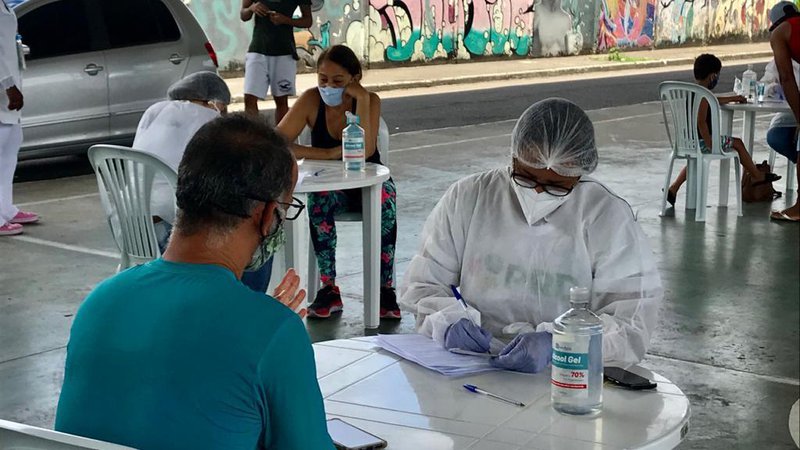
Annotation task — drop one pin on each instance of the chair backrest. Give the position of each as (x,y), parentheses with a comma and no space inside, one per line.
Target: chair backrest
(17,436)
(383,140)
(680,104)
(125,179)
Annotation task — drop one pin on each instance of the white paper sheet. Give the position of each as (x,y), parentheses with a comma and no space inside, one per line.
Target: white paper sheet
(427,353)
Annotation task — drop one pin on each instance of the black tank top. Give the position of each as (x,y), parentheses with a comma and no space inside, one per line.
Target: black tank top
(321,138)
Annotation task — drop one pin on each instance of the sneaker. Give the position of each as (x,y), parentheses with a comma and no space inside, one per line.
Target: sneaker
(327,302)
(389,308)
(10,229)
(25,217)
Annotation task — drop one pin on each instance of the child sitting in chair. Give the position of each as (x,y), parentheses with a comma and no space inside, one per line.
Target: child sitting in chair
(706,73)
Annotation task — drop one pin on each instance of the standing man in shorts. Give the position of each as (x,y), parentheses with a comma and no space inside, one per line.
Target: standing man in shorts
(271,60)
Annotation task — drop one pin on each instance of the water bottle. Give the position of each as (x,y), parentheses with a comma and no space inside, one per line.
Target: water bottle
(577,367)
(353,149)
(749,83)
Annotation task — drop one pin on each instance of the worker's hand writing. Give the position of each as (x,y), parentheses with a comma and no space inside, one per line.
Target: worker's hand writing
(467,336)
(15,99)
(259,9)
(528,352)
(290,294)
(279,19)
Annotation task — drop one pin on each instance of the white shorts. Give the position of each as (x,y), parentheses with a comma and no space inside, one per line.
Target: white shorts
(269,74)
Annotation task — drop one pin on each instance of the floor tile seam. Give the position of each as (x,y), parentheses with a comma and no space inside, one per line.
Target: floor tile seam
(33,354)
(780,380)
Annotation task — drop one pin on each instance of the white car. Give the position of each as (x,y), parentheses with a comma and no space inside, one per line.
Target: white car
(95,66)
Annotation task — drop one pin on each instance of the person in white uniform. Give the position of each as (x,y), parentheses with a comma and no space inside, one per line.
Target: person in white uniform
(166,128)
(516,239)
(11,103)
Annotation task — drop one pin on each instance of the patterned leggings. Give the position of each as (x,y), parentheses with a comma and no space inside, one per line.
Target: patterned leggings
(324,206)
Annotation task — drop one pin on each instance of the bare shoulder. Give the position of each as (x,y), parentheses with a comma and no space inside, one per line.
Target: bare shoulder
(374,99)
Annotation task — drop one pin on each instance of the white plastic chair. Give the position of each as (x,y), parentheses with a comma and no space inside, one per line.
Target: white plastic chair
(124,179)
(680,104)
(354,216)
(17,436)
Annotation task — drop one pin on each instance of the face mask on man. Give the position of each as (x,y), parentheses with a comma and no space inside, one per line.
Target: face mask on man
(331,96)
(714,82)
(270,244)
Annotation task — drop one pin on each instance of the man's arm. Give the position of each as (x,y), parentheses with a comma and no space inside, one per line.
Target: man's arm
(249,7)
(304,21)
(7,83)
(783,60)
(290,392)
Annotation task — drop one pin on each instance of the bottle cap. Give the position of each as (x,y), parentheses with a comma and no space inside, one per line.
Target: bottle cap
(579,294)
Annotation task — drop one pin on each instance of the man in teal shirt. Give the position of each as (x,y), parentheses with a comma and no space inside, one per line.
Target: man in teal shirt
(178,353)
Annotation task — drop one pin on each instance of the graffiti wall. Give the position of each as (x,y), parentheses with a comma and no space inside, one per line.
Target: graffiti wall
(681,21)
(408,31)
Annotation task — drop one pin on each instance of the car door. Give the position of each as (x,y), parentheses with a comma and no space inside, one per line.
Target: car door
(146,54)
(66,82)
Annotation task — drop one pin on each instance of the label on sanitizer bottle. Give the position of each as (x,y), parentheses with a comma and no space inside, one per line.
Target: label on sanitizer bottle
(570,373)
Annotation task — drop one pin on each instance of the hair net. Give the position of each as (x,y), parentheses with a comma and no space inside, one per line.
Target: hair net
(205,86)
(555,134)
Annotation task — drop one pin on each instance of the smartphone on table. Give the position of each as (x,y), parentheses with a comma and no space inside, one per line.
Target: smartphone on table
(629,380)
(349,437)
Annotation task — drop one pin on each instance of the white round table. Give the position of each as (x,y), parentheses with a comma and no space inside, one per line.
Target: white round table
(325,176)
(748,134)
(414,408)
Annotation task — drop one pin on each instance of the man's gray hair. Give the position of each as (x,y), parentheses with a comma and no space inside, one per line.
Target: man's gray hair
(232,164)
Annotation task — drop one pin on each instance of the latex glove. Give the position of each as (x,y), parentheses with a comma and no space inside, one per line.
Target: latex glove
(528,352)
(467,336)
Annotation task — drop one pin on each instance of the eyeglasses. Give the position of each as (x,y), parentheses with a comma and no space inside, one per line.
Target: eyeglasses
(294,209)
(526,182)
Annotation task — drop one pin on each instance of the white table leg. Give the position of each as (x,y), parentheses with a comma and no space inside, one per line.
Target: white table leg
(749,130)
(295,232)
(371,215)
(726,123)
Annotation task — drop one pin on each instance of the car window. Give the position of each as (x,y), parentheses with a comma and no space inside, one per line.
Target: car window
(138,22)
(56,29)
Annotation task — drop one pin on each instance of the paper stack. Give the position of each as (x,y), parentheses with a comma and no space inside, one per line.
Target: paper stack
(427,353)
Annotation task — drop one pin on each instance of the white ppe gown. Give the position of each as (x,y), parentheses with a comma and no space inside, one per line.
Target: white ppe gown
(164,130)
(518,275)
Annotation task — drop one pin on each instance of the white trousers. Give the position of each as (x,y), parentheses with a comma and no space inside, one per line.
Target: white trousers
(10,141)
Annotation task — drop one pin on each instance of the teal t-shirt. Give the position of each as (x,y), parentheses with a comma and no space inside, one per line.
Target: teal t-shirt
(184,356)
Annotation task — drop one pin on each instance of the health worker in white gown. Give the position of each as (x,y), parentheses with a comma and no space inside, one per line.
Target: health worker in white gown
(516,239)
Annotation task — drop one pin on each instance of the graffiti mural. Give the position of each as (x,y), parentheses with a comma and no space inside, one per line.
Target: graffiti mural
(625,23)
(408,31)
(681,21)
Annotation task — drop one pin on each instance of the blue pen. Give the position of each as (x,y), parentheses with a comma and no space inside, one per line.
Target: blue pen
(477,390)
(458,296)
(461,302)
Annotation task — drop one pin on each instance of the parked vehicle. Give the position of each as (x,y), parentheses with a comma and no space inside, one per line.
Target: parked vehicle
(95,66)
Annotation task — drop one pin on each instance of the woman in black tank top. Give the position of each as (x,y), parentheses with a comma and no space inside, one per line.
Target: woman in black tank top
(323,110)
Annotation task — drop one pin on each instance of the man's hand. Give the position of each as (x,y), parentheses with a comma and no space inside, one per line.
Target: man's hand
(287,292)
(279,19)
(260,10)
(15,99)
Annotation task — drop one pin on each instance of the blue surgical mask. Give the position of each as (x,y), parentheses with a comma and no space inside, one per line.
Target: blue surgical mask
(331,96)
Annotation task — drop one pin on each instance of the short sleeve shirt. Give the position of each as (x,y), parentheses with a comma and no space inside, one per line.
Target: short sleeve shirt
(184,356)
(275,40)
